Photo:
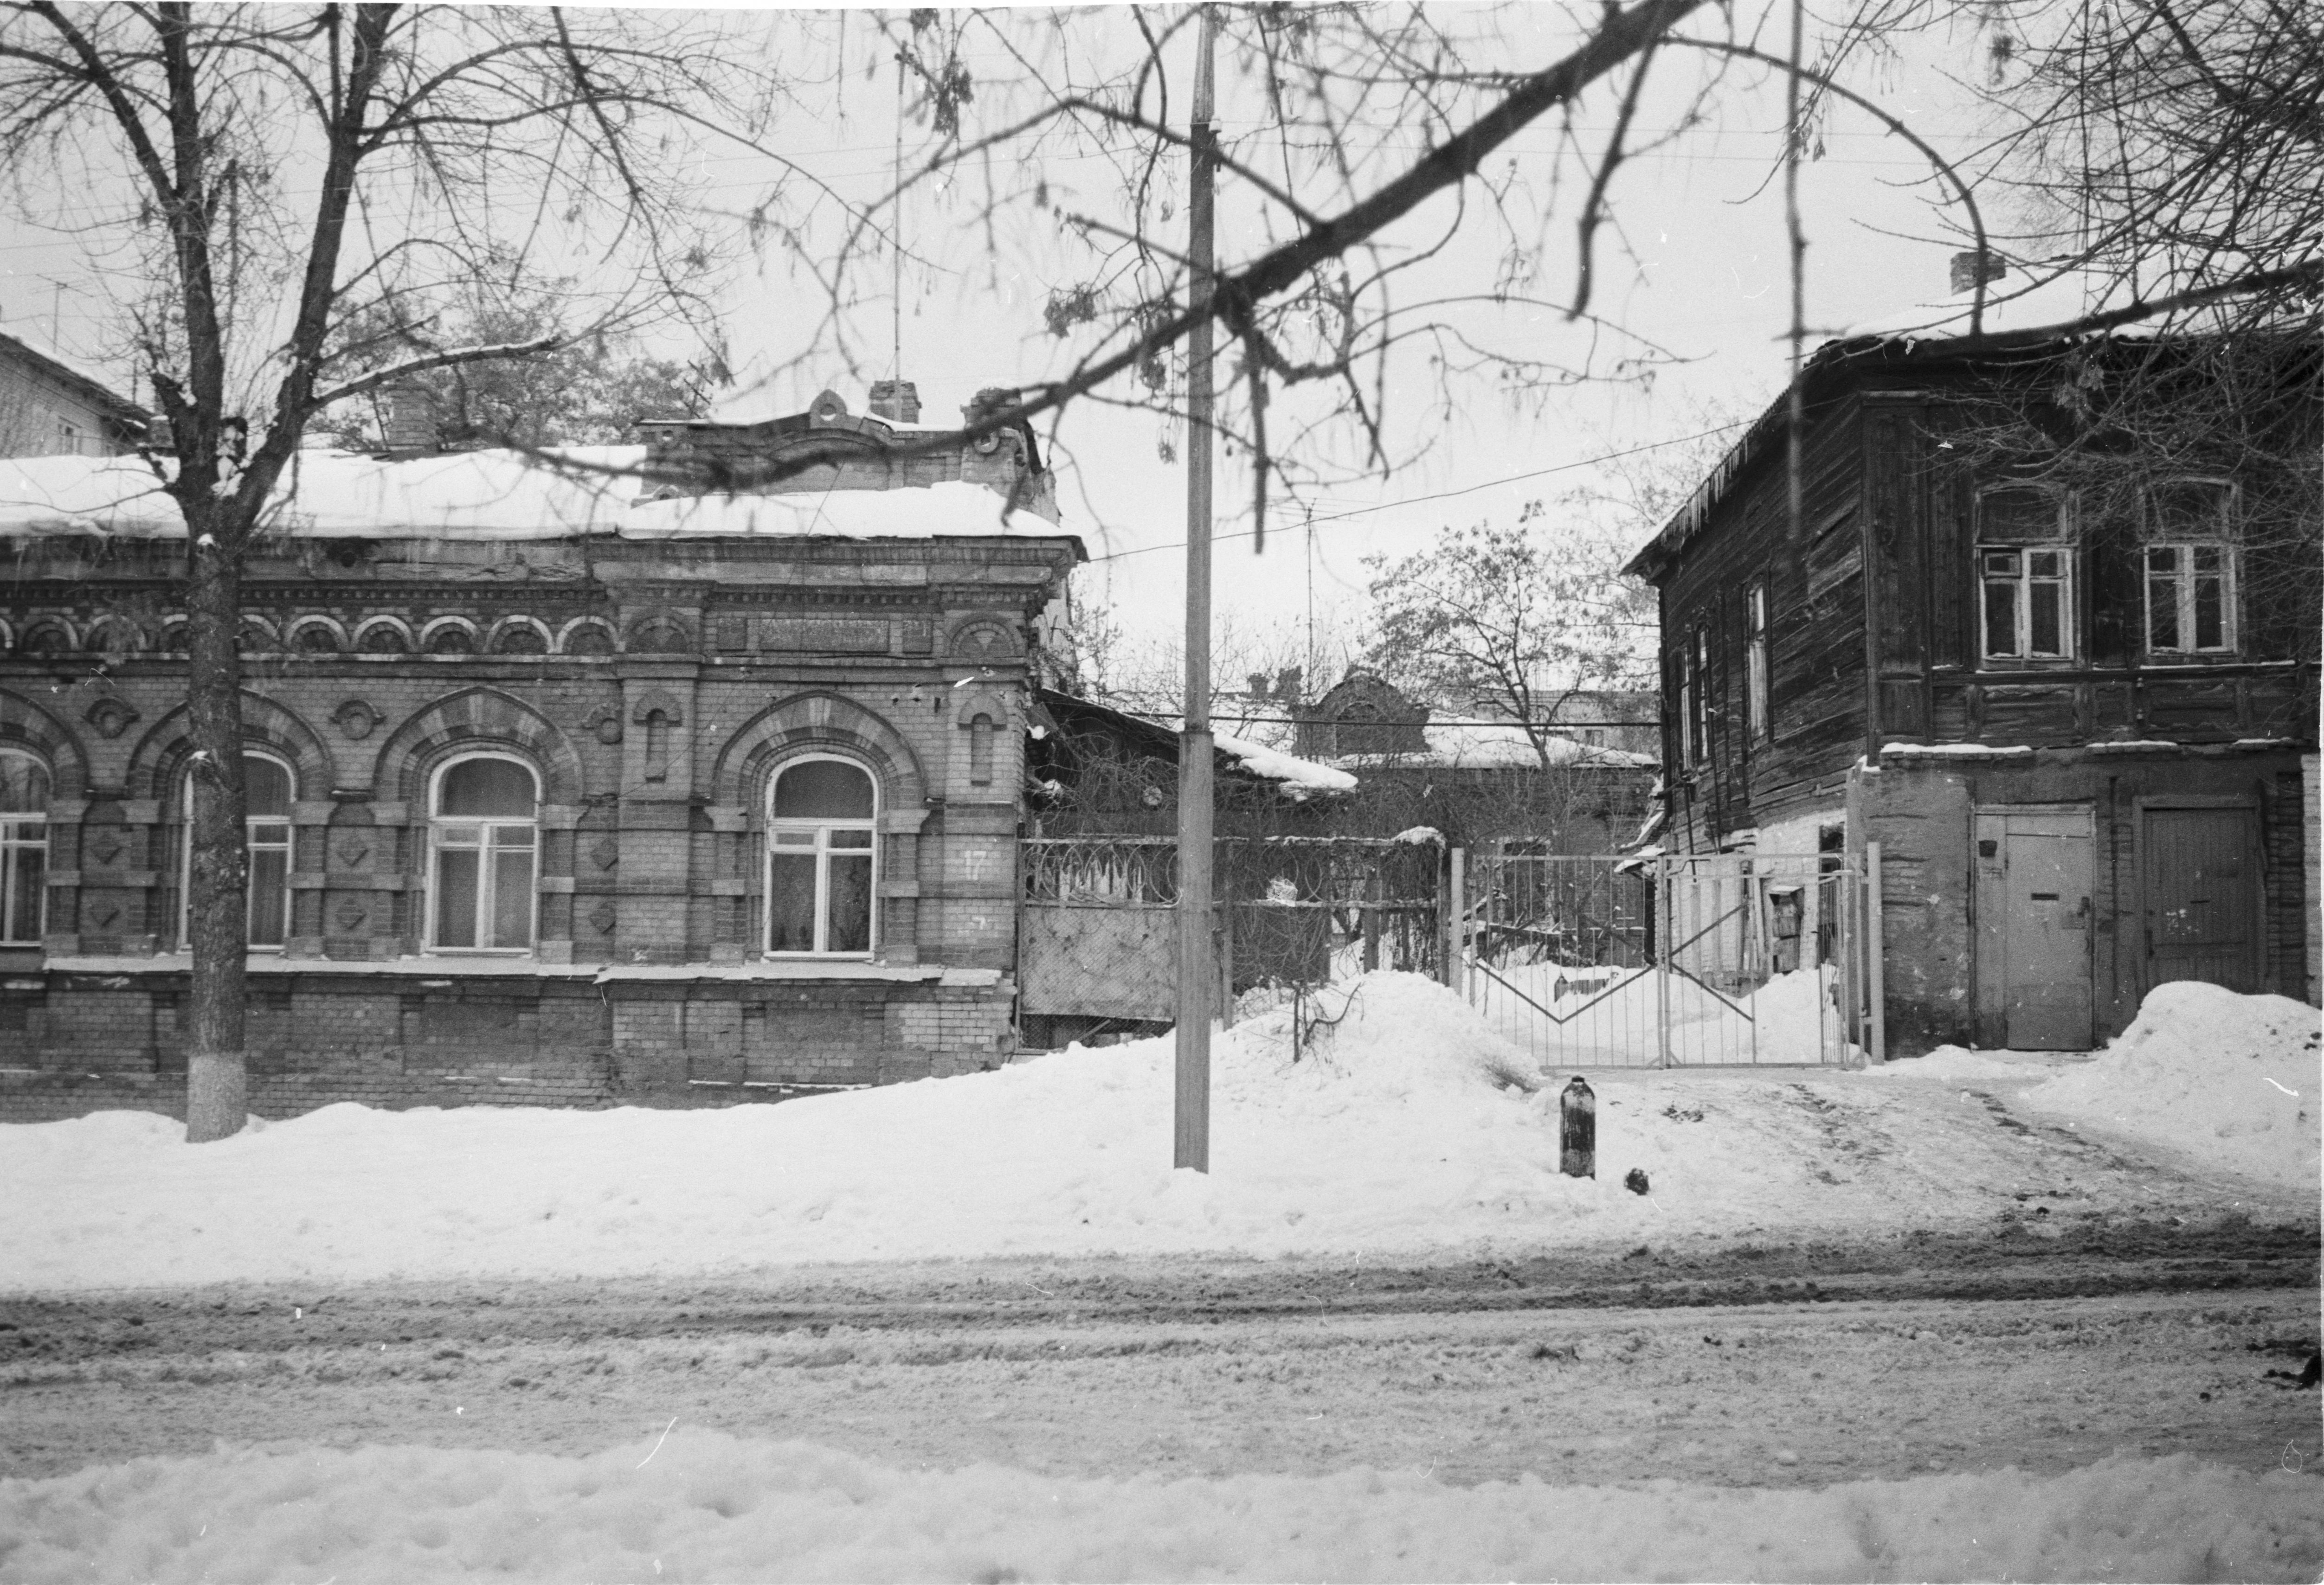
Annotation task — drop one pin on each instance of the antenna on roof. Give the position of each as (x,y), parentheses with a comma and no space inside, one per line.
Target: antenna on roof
(896,229)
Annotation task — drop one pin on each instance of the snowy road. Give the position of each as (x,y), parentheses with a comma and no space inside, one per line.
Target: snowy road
(1716,1362)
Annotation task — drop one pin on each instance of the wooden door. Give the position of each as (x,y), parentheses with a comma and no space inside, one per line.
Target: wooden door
(2201,869)
(2034,871)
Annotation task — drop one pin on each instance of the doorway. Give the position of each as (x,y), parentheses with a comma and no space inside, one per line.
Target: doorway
(2033,881)
(2200,865)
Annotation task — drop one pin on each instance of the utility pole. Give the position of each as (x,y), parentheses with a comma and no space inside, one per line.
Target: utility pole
(1196,968)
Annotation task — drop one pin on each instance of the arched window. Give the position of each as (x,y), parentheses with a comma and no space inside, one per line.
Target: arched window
(23,846)
(482,827)
(820,859)
(268,785)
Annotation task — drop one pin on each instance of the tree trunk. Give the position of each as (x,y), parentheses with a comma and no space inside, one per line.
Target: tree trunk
(218,889)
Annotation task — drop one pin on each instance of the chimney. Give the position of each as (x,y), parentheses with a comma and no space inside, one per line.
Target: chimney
(1966,270)
(408,426)
(896,400)
(1257,683)
(1289,687)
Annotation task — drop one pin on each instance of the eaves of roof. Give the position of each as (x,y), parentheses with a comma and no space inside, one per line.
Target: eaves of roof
(1830,370)
(97,394)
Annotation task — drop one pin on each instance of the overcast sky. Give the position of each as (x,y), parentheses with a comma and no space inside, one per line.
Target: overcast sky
(1698,266)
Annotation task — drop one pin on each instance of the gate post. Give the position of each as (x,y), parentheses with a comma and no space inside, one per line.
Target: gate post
(1456,927)
(1876,952)
(1226,1003)
(1663,952)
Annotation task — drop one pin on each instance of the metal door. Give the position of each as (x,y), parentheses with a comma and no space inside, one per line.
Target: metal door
(2202,897)
(2034,873)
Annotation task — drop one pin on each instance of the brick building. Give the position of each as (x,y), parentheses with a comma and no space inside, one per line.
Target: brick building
(564,789)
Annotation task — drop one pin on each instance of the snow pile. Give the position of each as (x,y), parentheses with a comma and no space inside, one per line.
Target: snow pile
(705,1506)
(2233,1080)
(1402,1123)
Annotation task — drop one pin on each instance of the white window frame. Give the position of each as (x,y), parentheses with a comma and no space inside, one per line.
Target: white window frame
(820,831)
(2024,580)
(2058,540)
(2183,544)
(22,833)
(485,848)
(251,846)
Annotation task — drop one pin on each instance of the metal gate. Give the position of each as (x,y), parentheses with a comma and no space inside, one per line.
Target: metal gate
(1679,960)
(1097,942)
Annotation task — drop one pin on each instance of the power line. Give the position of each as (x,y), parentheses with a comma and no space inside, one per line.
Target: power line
(1562,468)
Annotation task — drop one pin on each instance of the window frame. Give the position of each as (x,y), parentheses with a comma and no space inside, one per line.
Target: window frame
(487,874)
(286,847)
(1759,699)
(14,845)
(2154,535)
(2024,581)
(822,828)
(1686,689)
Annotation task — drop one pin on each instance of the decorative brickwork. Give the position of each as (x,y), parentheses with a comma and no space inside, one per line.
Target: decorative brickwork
(601,668)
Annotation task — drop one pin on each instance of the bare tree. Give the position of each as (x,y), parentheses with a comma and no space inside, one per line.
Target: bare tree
(2172,150)
(305,191)
(1394,242)
(1506,621)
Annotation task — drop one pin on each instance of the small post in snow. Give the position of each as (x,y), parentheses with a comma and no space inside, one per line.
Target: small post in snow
(1577,1131)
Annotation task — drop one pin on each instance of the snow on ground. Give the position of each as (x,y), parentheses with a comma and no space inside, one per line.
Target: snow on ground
(2207,1072)
(705,1506)
(1395,1132)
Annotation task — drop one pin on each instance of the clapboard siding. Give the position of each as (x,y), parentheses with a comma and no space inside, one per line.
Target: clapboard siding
(1813,573)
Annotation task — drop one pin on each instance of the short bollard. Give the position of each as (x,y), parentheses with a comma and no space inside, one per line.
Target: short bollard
(1577,1131)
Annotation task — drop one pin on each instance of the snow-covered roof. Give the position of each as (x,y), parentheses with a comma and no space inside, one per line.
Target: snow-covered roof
(494,494)
(1458,744)
(1296,776)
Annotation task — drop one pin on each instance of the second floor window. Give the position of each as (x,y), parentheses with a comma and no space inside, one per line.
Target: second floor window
(267,789)
(483,827)
(2190,599)
(2190,567)
(2028,601)
(1755,660)
(23,847)
(820,859)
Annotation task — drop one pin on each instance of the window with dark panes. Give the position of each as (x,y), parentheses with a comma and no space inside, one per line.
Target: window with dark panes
(484,827)
(23,847)
(821,834)
(267,789)
(2025,574)
(2190,569)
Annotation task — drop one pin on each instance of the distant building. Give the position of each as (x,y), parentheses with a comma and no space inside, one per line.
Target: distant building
(50,409)
(1476,778)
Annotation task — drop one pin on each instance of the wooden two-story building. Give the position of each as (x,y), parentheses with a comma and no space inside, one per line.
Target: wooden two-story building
(2057,656)
(677,774)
